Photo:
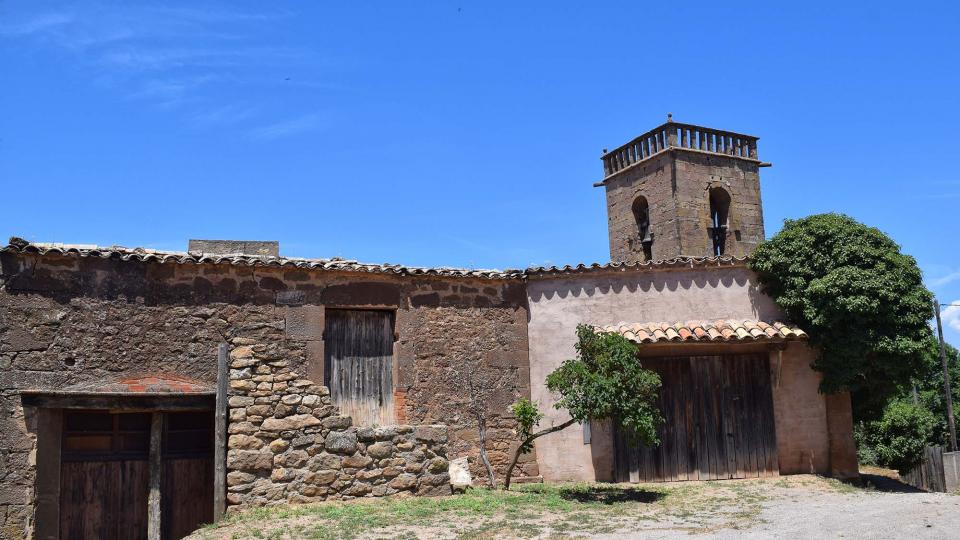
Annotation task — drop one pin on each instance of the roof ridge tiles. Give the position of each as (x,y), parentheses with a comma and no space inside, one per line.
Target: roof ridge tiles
(18,245)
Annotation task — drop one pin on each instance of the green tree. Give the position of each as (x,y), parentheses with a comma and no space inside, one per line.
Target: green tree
(860,299)
(930,392)
(898,438)
(604,381)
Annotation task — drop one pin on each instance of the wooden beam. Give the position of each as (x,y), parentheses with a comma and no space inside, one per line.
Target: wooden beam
(126,402)
(47,515)
(220,435)
(156,470)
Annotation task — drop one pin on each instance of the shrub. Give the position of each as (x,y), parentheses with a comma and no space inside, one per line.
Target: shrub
(899,437)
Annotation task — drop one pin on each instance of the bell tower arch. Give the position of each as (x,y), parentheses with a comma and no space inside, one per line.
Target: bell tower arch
(683,190)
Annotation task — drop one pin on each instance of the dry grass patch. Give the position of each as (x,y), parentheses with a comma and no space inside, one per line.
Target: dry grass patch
(530,511)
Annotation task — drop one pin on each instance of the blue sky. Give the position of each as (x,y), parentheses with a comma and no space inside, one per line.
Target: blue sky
(462,133)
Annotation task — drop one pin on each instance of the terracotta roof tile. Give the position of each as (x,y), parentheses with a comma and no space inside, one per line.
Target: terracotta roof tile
(335,264)
(727,331)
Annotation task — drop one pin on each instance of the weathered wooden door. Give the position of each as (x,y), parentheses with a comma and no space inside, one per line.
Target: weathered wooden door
(105,477)
(718,422)
(187,480)
(358,346)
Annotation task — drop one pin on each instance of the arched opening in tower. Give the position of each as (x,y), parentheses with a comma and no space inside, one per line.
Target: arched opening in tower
(719,217)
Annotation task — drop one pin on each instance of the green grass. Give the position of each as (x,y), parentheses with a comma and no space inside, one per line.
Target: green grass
(478,513)
(557,510)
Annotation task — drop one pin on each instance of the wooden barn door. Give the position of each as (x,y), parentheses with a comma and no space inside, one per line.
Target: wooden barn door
(187,480)
(718,422)
(105,474)
(358,345)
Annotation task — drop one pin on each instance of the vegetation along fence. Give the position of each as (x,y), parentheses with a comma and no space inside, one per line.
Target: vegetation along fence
(939,471)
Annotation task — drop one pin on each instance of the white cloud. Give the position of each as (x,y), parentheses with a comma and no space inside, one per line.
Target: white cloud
(951,316)
(293,126)
(36,25)
(224,116)
(188,58)
(946,280)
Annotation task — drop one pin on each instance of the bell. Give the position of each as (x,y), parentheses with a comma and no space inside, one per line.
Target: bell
(648,237)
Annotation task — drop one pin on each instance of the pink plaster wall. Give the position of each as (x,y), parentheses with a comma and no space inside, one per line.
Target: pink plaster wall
(803,440)
(558,304)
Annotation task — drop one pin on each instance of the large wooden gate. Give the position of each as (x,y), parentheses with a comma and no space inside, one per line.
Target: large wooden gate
(105,475)
(718,422)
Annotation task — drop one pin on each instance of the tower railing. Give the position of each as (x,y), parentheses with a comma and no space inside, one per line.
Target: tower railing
(677,135)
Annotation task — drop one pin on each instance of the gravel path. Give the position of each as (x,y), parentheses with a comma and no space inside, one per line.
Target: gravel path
(811,514)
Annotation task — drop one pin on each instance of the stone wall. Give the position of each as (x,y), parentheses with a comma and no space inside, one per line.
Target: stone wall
(676,185)
(289,444)
(70,320)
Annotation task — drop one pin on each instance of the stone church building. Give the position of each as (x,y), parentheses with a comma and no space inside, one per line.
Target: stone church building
(144,392)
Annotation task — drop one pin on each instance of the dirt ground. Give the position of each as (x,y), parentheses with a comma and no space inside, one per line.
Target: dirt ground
(815,513)
(802,506)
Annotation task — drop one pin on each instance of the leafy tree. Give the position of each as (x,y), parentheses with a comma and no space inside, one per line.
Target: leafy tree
(926,391)
(898,438)
(930,392)
(859,298)
(605,381)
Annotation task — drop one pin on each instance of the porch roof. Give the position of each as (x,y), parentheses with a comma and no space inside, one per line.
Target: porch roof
(722,331)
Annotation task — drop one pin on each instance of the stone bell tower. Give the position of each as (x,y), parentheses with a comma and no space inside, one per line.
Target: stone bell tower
(683,190)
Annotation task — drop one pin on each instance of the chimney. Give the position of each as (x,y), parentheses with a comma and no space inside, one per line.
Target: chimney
(256,248)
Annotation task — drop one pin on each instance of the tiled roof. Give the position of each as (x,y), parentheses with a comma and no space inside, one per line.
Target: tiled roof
(183,257)
(706,331)
(18,245)
(677,262)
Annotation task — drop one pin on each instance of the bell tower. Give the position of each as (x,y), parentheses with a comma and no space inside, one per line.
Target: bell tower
(683,190)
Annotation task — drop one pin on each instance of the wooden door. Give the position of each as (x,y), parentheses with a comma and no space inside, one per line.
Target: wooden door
(358,349)
(186,491)
(718,422)
(105,475)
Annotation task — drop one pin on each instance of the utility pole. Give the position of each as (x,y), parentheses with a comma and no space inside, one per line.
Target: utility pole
(946,379)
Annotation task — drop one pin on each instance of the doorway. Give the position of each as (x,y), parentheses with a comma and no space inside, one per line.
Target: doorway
(718,422)
(105,473)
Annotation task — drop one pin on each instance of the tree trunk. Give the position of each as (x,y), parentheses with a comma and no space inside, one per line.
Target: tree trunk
(491,476)
(528,440)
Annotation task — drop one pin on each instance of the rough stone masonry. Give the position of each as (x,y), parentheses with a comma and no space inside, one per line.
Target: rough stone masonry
(289,444)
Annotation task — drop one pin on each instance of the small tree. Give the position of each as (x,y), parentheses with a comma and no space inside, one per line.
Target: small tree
(859,298)
(929,388)
(891,441)
(897,440)
(477,386)
(605,381)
